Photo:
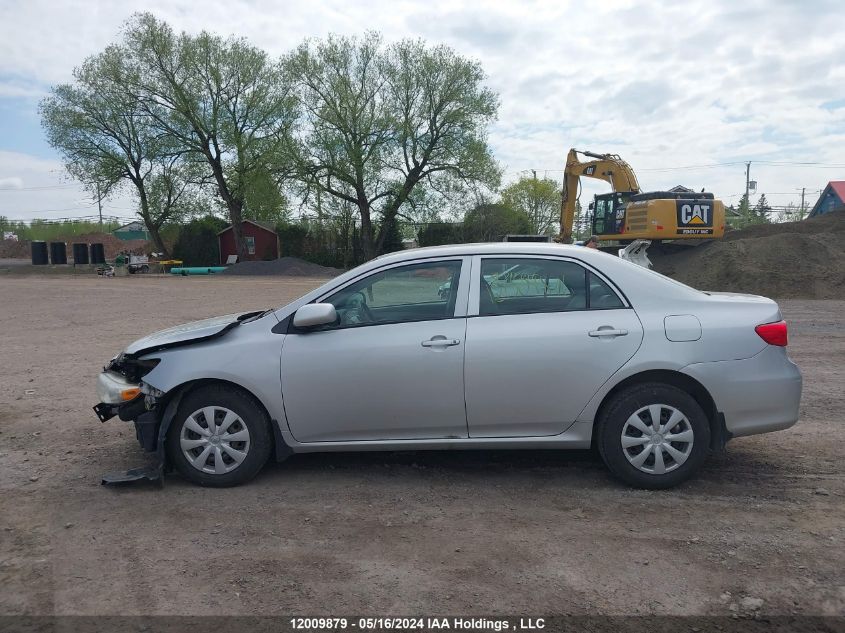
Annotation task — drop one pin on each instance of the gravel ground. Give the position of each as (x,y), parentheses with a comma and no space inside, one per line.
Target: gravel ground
(760,529)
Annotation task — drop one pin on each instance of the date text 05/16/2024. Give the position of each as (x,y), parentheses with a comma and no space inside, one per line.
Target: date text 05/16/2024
(417,623)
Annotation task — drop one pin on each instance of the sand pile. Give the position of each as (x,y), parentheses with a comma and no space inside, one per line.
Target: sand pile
(789,260)
(284,266)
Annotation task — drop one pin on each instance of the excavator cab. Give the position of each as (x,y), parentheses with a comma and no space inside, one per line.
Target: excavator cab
(608,213)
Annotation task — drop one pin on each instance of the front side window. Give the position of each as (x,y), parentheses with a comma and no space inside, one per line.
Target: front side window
(417,292)
(523,286)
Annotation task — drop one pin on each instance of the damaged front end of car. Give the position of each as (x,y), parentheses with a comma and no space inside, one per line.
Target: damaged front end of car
(123,393)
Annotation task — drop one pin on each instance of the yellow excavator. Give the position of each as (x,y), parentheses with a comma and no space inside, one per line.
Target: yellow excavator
(634,218)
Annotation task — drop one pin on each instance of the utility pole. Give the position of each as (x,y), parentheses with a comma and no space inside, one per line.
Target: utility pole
(100,206)
(801,212)
(747,179)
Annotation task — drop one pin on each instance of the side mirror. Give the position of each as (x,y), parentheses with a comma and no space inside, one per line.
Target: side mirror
(314,314)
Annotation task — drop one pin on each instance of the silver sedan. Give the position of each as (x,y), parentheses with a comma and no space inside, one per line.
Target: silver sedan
(568,348)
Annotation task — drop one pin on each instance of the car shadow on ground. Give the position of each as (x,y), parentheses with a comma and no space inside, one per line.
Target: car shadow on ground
(458,461)
(727,473)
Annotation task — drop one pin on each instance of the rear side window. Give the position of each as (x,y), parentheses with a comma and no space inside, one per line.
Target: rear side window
(525,286)
(601,295)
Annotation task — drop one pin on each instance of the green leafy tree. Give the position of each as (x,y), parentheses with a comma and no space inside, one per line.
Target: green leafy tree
(263,198)
(106,141)
(581,226)
(392,237)
(220,100)
(292,238)
(383,121)
(539,200)
(492,222)
(197,244)
(762,209)
(439,233)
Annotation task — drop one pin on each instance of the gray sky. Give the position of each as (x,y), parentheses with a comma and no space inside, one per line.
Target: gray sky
(678,91)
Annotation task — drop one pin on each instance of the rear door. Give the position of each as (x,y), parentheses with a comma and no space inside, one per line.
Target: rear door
(543,334)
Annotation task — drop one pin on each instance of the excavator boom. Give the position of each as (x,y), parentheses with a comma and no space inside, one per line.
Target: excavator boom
(608,167)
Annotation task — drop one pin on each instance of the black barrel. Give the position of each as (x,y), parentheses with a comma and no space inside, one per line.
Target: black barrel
(58,253)
(39,253)
(98,253)
(80,253)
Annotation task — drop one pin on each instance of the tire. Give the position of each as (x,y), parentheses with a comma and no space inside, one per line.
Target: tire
(215,461)
(627,420)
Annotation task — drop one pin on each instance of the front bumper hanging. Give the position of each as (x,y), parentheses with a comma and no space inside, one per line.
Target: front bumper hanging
(151,419)
(151,472)
(147,425)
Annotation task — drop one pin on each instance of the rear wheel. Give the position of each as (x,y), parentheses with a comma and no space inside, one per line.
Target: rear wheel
(219,437)
(653,436)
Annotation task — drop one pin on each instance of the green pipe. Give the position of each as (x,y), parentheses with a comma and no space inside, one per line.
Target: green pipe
(210,270)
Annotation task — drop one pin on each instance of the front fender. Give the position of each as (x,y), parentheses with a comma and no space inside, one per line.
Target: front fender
(248,357)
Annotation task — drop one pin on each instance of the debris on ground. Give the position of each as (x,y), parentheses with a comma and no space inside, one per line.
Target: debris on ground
(284,266)
(803,259)
(750,603)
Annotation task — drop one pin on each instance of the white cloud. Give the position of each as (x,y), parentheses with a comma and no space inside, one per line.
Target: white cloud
(11,183)
(664,85)
(32,187)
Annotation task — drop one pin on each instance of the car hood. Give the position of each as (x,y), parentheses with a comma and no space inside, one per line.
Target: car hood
(192,332)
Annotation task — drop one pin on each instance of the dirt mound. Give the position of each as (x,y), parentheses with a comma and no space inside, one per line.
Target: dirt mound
(284,266)
(828,223)
(790,260)
(112,245)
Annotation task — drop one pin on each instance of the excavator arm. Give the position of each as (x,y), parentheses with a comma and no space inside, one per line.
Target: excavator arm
(608,167)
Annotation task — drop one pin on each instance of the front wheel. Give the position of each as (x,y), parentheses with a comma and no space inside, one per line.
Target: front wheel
(653,436)
(219,437)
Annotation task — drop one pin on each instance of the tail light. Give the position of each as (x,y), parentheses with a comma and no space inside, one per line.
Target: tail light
(773,333)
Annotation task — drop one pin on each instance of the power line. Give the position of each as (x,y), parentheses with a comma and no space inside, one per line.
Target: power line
(787,162)
(41,188)
(713,166)
(56,210)
(92,219)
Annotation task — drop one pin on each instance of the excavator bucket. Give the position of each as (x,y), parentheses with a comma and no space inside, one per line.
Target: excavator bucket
(636,253)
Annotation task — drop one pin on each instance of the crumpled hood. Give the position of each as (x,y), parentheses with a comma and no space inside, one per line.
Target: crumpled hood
(193,331)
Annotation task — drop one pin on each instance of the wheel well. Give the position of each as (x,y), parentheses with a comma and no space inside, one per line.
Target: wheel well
(718,433)
(280,449)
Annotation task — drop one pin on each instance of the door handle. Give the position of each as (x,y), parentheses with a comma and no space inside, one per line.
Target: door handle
(440,341)
(607,330)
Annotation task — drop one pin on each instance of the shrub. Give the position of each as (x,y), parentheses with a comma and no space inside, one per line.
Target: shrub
(197,243)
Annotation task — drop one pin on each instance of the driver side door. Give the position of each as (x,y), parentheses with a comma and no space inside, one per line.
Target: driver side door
(392,367)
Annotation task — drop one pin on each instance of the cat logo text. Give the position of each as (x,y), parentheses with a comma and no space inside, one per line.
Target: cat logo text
(695,217)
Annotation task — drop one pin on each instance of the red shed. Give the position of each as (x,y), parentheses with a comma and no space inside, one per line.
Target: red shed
(262,242)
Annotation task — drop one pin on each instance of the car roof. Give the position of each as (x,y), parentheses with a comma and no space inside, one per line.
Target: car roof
(490,248)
